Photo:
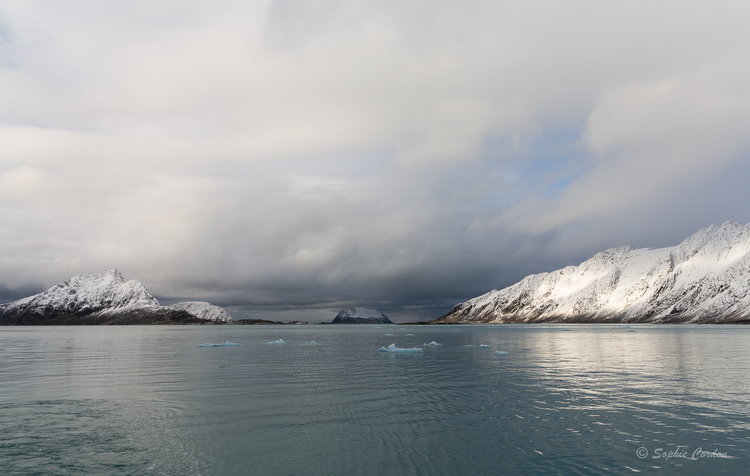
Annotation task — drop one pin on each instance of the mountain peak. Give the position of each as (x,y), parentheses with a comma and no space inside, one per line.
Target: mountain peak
(103,298)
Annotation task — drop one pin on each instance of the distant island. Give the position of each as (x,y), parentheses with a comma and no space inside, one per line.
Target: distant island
(704,280)
(361,315)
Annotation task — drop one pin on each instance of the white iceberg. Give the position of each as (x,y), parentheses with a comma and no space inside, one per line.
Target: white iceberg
(393,349)
(484,346)
(278,341)
(433,343)
(225,344)
(501,352)
(312,342)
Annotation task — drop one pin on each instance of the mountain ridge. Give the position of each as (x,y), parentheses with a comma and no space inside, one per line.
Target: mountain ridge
(95,299)
(704,279)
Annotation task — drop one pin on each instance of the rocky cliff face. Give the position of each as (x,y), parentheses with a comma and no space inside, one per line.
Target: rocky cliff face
(705,279)
(361,316)
(104,298)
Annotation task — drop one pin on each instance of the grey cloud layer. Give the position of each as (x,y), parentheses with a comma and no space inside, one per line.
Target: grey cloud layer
(279,155)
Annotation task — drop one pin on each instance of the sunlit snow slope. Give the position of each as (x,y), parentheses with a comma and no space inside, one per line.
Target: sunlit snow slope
(705,279)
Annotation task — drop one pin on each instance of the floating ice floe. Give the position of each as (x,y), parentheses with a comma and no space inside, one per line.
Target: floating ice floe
(278,341)
(390,335)
(392,348)
(432,343)
(484,346)
(312,342)
(469,345)
(225,344)
(501,352)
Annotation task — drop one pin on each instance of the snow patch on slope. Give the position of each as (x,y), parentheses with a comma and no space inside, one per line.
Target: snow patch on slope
(203,310)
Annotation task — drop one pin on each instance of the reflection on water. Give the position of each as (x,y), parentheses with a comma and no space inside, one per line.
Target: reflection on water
(578,399)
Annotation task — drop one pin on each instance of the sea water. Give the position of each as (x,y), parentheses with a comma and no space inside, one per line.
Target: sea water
(487,400)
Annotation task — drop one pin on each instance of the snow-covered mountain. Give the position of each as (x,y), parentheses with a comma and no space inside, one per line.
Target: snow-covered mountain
(104,298)
(705,279)
(361,315)
(203,310)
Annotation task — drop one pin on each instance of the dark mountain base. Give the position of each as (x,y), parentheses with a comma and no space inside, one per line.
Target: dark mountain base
(131,317)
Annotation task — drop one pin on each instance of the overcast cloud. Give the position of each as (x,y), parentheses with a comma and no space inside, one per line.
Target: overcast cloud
(287,159)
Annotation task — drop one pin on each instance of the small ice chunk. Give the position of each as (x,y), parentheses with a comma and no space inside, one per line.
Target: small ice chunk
(469,345)
(278,341)
(312,342)
(432,343)
(223,366)
(390,335)
(484,346)
(501,352)
(399,350)
(225,344)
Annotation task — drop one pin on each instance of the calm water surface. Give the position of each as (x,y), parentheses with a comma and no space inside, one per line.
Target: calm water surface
(564,400)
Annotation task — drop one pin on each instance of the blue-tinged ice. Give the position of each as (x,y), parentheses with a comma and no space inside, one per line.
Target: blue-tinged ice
(399,350)
(469,345)
(484,346)
(225,344)
(433,343)
(278,341)
(501,352)
(312,342)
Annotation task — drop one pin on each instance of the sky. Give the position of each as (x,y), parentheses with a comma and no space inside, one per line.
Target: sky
(289,159)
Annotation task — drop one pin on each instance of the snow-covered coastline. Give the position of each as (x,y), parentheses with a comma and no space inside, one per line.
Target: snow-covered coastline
(704,279)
